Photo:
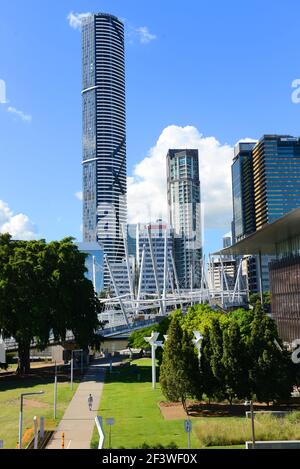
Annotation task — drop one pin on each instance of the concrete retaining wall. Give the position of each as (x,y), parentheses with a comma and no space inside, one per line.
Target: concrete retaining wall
(288,444)
(274,413)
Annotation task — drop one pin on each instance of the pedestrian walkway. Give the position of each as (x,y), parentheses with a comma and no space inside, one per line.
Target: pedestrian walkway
(78,421)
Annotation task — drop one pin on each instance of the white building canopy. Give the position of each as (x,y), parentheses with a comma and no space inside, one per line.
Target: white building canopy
(264,241)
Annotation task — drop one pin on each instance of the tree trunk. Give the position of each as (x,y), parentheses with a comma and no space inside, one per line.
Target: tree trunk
(24,358)
(183,401)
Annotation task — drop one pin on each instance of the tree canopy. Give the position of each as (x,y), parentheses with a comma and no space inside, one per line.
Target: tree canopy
(239,358)
(177,372)
(43,291)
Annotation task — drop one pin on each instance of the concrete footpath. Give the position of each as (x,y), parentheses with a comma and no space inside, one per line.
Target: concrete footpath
(78,421)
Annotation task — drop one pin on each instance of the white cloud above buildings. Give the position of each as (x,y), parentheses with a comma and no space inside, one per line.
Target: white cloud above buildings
(140,34)
(79,195)
(144,35)
(2,92)
(147,187)
(75,19)
(20,114)
(19,225)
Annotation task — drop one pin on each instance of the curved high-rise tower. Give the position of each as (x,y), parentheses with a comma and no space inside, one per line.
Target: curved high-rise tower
(104,133)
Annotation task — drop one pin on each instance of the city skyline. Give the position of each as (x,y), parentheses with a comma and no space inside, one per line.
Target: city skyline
(187,110)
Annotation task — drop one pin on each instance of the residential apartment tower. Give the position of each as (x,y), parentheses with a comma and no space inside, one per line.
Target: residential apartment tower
(104,135)
(183,186)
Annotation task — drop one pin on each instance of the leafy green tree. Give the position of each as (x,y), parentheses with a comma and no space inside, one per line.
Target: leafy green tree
(198,317)
(244,320)
(239,356)
(255,297)
(271,371)
(136,339)
(216,341)
(235,363)
(210,384)
(179,376)
(43,290)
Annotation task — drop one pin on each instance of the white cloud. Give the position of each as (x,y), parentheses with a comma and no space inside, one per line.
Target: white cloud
(75,19)
(144,35)
(79,195)
(247,140)
(24,117)
(19,226)
(2,92)
(147,187)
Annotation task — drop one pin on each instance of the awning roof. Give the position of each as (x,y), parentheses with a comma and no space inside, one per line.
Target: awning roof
(265,239)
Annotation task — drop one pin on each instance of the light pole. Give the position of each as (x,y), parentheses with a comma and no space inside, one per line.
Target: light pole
(198,342)
(55,392)
(21,413)
(152,340)
(166,338)
(72,364)
(252,422)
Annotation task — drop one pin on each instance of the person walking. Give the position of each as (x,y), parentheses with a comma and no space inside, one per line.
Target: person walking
(90,401)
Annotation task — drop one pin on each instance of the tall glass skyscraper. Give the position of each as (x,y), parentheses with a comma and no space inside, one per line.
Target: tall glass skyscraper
(185,214)
(276,171)
(104,135)
(265,187)
(243,190)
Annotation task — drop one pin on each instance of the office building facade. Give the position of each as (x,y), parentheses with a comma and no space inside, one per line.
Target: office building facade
(104,137)
(265,187)
(120,273)
(157,230)
(222,274)
(276,177)
(93,263)
(243,190)
(281,240)
(131,239)
(184,212)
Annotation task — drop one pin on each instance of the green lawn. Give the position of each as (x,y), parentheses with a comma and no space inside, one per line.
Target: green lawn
(226,447)
(129,398)
(10,390)
(224,431)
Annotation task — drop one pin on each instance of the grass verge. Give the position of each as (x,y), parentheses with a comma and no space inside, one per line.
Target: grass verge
(10,389)
(224,431)
(128,397)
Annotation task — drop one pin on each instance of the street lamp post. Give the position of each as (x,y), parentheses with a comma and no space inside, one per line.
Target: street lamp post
(21,413)
(72,364)
(152,340)
(55,392)
(198,342)
(252,422)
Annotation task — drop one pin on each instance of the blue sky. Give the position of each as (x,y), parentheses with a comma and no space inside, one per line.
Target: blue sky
(223,68)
